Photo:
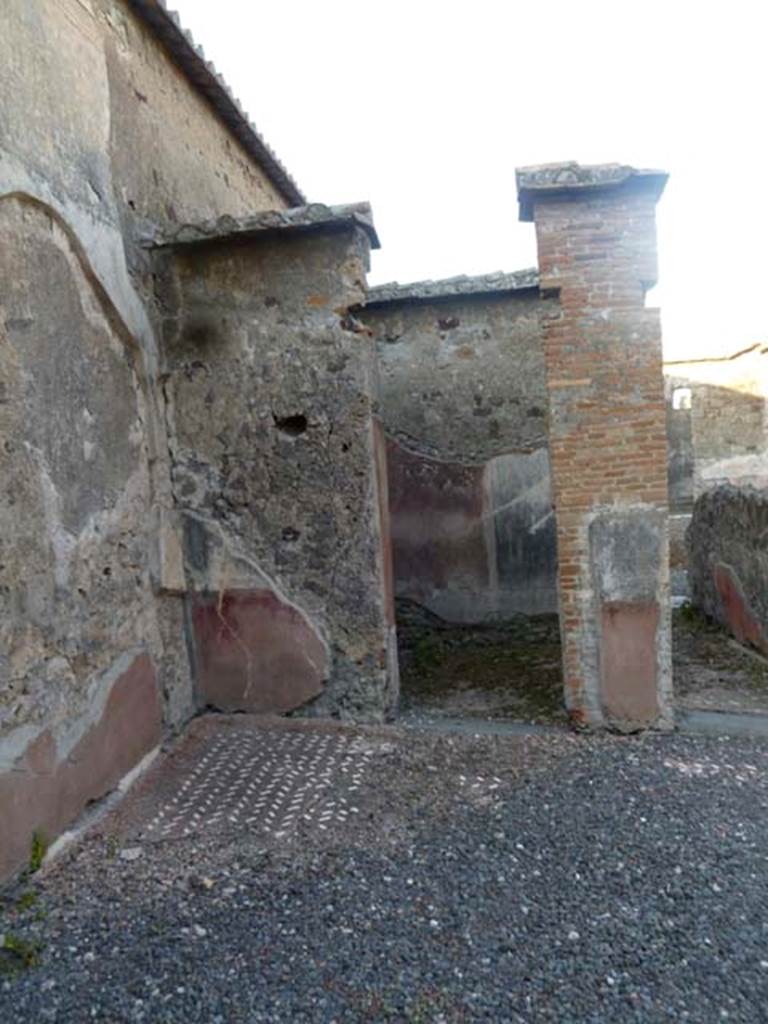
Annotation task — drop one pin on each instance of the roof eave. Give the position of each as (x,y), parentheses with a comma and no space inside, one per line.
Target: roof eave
(190,59)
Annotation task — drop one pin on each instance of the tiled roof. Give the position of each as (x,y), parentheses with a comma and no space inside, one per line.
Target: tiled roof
(301,218)
(190,59)
(454,287)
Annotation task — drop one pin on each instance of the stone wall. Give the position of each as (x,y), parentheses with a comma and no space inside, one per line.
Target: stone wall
(100,124)
(465,410)
(269,383)
(104,141)
(728,560)
(79,638)
(595,231)
(717,416)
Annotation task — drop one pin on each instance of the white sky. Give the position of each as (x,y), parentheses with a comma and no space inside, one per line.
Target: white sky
(425,109)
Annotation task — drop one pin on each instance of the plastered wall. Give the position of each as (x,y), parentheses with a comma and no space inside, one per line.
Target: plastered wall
(274,447)
(729,560)
(102,142)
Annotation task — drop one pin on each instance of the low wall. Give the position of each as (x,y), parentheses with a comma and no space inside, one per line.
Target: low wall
(728,560)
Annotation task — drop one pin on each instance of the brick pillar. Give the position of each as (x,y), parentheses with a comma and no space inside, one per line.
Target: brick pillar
(595,230)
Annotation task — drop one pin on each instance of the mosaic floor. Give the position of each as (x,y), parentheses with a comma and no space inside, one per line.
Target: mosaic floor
(266,779)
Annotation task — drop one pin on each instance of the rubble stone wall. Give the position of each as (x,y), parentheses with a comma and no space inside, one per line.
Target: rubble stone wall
(728,560)
(103,142)
(274,446)
(719,432)
(464,406)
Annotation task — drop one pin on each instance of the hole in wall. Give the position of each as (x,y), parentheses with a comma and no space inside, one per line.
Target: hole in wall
(292,426)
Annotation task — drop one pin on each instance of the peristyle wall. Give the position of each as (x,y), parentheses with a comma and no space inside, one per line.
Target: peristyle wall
(717,423)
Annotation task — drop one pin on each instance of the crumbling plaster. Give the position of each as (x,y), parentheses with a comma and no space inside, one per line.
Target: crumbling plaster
(269,381)
(76,492)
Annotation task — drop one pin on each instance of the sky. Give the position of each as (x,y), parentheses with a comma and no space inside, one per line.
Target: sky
(425,109)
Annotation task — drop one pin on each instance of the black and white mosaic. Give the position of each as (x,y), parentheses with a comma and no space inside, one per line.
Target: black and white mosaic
(268,781)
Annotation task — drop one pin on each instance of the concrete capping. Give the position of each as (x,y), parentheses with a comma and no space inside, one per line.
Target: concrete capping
(315,217)
(572,180)
(498,283)
(204,77)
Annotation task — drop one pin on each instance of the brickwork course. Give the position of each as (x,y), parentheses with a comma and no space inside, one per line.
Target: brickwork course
(595,231)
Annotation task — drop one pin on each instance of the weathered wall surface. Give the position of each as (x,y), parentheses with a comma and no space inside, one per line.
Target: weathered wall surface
(274,451)
(720,432)
(100,124)
(464,405)
(595,231)
(102,140)
(78,631)
(728,556)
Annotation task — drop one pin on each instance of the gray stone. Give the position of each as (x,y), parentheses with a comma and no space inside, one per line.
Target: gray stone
(569,180)
(728,560)
(130,853)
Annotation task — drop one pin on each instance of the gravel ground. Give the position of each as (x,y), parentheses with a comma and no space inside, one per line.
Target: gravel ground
(546,878)
(711,671)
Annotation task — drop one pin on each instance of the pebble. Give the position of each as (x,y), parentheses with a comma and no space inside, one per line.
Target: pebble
(336,932)
(131,853)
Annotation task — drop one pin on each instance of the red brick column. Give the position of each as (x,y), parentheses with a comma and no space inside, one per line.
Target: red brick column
(595,229)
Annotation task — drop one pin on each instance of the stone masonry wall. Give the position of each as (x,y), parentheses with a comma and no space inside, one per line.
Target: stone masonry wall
(719,434)
(596,239)
(78,629)
(269,384)
(464,405)
(728,558)
(103,142)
